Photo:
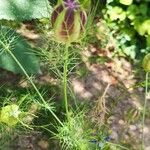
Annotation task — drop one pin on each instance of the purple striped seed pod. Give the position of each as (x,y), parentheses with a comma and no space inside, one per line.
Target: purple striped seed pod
(68,20)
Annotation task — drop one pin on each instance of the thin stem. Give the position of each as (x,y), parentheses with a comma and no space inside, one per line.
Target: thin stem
(39,94)
(65,74)
(144,109)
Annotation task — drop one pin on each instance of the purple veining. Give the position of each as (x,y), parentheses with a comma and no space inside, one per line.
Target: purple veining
(72,4)
(68,20)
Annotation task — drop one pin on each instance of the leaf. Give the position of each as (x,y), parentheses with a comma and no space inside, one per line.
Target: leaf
(130,51)
(126,2)
(132,11)
(142,26)
(24,9)
(11,40)
(148,41)
(85,3)
(143,9)
(10,114)
(146,26)
(116,13)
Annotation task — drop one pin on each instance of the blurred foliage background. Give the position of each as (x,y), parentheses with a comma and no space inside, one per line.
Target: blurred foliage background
(130,21)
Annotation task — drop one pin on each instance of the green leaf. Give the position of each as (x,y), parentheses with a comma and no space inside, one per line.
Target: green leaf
(126,2)
(142,26)
(24,9)
(146,26)
(116,13)
(143,9)
(130,51)
(10,114)
(132,11)
(148,41)
(10,40)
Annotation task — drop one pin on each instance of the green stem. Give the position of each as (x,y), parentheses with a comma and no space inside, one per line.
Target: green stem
(39,94)
(144,109)
(65,74)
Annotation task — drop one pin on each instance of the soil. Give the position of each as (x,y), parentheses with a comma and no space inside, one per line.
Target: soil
(118,100)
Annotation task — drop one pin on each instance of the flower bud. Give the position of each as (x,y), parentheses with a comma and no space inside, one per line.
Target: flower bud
(68,20)
(146,63)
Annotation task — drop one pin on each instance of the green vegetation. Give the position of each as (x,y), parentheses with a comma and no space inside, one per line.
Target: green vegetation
(73,74)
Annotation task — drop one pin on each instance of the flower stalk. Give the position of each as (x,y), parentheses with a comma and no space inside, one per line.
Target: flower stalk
(65,74)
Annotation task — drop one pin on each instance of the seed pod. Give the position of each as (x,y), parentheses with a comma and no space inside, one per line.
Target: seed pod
(68,20)
(146,63)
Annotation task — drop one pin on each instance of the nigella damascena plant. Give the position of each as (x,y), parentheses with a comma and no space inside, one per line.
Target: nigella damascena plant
(68,20)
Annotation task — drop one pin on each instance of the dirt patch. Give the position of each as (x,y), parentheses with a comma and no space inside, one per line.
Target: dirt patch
(117,103)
